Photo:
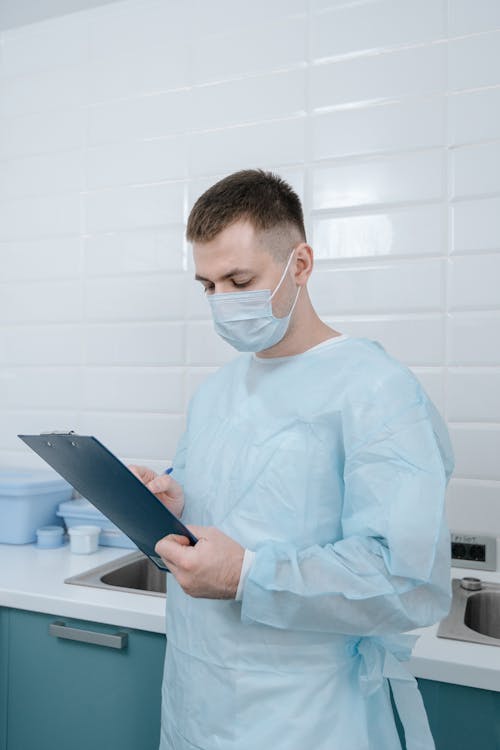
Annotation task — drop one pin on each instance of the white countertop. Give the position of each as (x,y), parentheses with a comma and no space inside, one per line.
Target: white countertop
(33,579)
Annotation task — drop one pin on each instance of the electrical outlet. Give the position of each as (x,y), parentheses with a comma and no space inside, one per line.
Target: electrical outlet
(473,551)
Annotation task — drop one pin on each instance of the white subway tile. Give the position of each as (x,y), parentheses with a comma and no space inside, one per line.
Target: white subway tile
(252,99)
(474,395)
(376,25)
(152,116)
(473,505)
(475,282)
(134,207)
(476,225)
(264,145)
(474,61)
(160,68)
(417,230)
(40,388)
(131,29)
(381,288)
(30,422)
(467,18)
(433,383)
(474,115)
(59,344)
(41,174)
(251,18)
(387,127)
(474,338)
(137,389)
(205,347)
(40,259)
(143,251)
(321,5)
(40,216)
(476,450)
(118,164)
(410,177)
(415,341)
(228,54)
(151,435)
(58,89)
(476,170)
(40,47)
(141,298)
(41,302)
(42,132)
(413,72)
(140,344)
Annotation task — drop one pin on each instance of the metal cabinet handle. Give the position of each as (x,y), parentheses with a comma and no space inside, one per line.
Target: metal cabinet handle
(60,630)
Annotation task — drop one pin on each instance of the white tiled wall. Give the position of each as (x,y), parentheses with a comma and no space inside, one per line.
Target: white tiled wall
(384,115)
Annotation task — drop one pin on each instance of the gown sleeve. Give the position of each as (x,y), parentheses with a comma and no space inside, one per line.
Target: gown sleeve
(390,571)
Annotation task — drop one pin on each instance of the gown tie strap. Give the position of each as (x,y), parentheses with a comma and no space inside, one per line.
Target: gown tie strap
(380,658)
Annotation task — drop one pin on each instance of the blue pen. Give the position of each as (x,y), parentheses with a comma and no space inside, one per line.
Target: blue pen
(169,471)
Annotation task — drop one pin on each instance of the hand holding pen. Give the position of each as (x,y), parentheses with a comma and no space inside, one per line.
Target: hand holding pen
(164,486)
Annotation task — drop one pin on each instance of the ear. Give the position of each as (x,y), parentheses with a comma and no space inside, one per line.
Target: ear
(304,262)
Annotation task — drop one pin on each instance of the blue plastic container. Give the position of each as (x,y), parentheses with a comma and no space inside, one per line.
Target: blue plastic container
(28,499)
(50,537)
(81,511)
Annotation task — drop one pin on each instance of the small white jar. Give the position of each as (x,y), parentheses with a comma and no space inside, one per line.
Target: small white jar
(84,539)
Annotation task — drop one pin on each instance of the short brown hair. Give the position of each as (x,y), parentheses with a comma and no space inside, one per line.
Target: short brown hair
(263,198)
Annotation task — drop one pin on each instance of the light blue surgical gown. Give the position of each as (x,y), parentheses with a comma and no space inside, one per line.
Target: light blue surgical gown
(332,466)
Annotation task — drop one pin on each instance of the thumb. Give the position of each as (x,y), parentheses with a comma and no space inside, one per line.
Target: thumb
(178,539)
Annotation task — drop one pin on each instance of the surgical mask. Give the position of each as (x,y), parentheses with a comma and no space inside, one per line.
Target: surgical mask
(245,319)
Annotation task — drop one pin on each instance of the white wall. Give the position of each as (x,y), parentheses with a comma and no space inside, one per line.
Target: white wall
(384,115)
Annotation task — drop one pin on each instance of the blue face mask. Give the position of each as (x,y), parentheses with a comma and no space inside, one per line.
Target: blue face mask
(245,319)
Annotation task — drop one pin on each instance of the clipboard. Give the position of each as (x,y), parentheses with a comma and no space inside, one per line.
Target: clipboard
(104,480)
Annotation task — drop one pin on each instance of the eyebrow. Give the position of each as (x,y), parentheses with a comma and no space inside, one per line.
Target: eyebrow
(234,272)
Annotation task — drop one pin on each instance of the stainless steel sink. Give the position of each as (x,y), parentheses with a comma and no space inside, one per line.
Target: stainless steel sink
(475,612)
(135,573)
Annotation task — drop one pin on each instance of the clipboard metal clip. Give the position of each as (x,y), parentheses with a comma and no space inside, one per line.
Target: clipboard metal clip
(58,432)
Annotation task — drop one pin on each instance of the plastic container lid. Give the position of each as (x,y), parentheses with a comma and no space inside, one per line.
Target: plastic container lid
(80,507)
(49,537)
(84,530)
(30,481)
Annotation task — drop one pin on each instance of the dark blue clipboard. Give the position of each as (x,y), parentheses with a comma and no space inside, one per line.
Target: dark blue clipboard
(98,475)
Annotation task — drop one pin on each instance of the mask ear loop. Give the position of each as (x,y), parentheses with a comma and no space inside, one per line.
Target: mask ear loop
(280,282)
(283,274)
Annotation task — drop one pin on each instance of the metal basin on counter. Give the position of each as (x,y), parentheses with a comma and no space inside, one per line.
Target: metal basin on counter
(475,612)
(134,573)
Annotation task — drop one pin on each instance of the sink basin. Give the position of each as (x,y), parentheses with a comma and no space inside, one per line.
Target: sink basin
(134,573)
(482,613)
(475,612)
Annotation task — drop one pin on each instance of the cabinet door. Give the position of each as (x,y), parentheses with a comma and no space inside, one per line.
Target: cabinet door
(3,679)
(462,717)
(67,693)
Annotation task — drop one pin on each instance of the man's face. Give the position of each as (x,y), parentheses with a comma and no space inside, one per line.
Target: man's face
(237,260)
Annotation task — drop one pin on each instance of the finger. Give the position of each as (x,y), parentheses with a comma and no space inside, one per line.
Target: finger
(159,484)
(173,552)
(201,532)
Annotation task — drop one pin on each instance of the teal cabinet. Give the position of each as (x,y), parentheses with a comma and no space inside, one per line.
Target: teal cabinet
(3,679)
(61,693)
(460,717)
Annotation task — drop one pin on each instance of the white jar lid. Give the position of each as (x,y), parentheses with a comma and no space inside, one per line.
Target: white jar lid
(84,530)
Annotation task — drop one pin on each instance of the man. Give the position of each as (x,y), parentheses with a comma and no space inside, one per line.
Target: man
(312,470)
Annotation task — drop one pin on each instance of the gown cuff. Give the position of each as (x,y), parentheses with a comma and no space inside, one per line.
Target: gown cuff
(245,569)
